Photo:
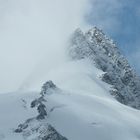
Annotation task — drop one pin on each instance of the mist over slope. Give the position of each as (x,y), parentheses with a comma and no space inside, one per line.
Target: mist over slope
(77,101)
(33,35)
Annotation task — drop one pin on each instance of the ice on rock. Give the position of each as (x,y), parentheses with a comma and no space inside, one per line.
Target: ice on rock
(101,50)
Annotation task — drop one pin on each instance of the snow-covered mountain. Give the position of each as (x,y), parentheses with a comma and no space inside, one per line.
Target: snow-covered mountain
(101,50)
(88,98)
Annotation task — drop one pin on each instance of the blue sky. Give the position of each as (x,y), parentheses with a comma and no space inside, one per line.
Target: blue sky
(120,19)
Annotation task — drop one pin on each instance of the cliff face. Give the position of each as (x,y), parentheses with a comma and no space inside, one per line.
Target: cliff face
(102,51)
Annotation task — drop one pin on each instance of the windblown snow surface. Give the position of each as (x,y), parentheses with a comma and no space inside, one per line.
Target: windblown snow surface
(83,109)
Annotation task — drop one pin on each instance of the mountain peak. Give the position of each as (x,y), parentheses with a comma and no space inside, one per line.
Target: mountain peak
(97,34)
(101,50)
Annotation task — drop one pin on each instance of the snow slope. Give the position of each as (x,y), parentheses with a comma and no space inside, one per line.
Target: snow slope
(14,108)
(80,109)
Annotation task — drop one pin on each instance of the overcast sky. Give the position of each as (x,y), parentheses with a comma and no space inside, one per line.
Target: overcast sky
(33,33)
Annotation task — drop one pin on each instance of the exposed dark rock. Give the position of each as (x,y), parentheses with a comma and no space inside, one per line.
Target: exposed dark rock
(21,127)
(38,101)
(42,131)
(49,85)
(42,111)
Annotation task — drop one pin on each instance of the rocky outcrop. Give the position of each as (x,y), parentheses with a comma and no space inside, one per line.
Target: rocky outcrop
(37,128)
(33,129)
(103,52)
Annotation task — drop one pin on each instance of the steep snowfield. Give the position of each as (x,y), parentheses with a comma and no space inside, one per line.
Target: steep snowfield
(14,109)
(83,109)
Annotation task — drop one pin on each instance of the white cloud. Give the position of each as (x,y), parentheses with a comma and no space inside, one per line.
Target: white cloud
(32,31)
